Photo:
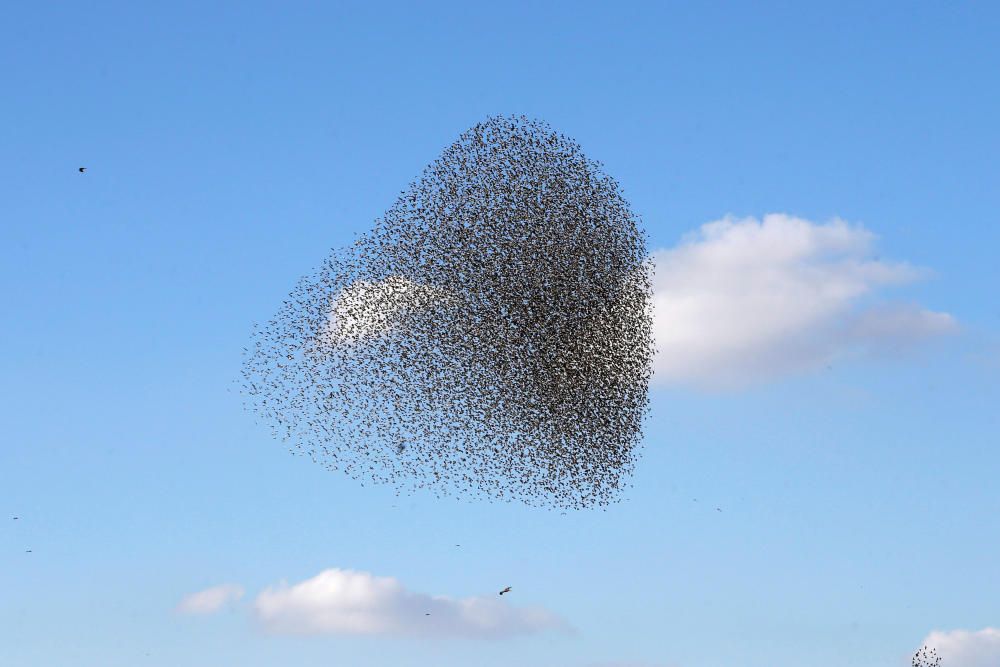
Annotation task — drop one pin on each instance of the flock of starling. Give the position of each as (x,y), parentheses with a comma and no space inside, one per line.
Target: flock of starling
(926,657)
(490,336)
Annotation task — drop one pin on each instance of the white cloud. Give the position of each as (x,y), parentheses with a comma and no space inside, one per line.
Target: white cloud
(365,309)
(962,648)
(347,602)
(210,600)
(743,300)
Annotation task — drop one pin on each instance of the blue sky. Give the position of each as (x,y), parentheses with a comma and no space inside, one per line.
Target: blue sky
(230,146)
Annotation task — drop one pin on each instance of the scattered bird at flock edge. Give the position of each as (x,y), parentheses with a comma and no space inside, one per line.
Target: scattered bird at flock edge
(506,590)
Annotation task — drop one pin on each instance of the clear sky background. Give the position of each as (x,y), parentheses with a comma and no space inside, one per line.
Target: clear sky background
(229,146)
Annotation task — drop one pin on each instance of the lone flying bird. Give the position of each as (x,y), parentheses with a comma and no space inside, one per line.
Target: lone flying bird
(506,590)
(83,169)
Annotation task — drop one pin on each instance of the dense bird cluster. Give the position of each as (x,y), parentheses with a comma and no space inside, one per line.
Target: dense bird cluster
(491,335)
(926,657)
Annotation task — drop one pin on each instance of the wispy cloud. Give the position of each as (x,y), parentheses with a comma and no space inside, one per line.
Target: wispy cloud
(744,300)
(962,648)
(210,600)
(347,602)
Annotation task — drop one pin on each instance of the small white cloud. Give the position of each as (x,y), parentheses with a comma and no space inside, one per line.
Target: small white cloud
(962,648)
(210,600)
(743,300)
(347,602)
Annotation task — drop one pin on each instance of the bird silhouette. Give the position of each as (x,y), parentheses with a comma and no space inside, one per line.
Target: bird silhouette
(83,169)
(506,590)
